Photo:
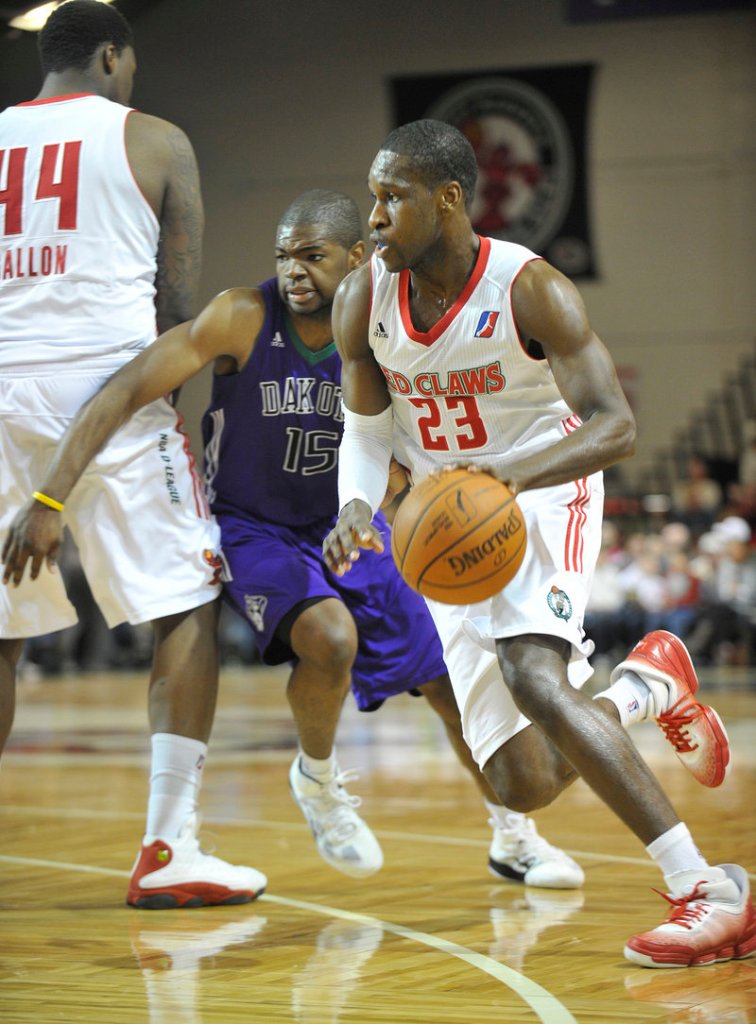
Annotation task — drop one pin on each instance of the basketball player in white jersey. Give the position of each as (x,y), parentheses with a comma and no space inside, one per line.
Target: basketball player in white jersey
(101,220)
(459,349)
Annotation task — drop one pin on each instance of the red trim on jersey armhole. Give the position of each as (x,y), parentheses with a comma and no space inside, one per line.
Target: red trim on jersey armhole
(428,337)
(55,99)
(511,309)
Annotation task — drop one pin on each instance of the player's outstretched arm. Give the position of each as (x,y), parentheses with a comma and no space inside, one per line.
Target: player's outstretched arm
(549,309)
(227,327)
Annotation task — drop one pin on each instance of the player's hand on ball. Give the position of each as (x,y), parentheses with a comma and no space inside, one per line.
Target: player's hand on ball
(36,533)
(353,530)
(498,473)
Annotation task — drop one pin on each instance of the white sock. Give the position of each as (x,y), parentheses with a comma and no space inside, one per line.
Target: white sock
(319,769)
(175,780)
(675,851)
(630,696)
(501,815)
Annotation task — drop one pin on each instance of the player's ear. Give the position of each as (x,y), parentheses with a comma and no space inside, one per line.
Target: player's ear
(450,197)
(356,255)
(108,58)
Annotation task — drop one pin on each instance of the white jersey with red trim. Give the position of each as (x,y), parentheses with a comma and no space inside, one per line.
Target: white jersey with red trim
(78,240)
(465,391)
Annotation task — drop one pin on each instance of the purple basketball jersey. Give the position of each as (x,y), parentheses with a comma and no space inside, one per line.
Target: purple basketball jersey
(271,432)
(271,437)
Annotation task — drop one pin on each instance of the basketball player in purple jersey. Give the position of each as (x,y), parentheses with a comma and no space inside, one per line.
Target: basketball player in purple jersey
(101,229)
(271,434)
(436,300)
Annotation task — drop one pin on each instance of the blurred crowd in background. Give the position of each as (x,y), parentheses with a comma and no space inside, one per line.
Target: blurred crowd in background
(703,588)
(683,561)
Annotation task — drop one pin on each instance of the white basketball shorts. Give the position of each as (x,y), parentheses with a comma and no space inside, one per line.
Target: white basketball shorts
(147,542)
(547,596)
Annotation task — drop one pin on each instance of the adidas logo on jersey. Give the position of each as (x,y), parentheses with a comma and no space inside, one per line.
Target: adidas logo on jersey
(380,331)
(277,341)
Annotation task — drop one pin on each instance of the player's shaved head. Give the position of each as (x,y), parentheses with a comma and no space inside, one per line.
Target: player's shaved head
(334,211)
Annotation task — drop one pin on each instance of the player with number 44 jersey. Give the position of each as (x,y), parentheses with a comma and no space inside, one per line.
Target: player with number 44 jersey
(100,243)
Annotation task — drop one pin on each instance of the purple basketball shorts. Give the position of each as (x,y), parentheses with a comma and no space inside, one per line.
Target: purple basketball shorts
(272,568)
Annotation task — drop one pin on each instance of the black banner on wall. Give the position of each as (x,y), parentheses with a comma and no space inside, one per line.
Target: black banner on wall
(528,130)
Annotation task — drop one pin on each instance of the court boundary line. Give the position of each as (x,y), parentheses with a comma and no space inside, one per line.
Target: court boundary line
(546,1006)
(543,1003)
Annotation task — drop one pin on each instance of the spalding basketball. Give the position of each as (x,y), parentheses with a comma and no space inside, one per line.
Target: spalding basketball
(458,537)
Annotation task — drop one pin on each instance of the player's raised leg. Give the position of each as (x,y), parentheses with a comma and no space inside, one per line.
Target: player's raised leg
(713,916)
(658,680)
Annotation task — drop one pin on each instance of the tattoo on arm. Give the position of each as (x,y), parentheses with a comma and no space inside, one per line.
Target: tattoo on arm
(179,255)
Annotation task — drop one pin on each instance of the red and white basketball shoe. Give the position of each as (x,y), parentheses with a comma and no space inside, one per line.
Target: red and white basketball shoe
(176,873)
(712,920)
(695,730)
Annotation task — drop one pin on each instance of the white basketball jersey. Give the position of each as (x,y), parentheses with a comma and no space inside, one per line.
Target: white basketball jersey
(465,391)
(78,240)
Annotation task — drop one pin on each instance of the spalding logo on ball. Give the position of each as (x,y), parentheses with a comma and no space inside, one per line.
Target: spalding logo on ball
(458,537)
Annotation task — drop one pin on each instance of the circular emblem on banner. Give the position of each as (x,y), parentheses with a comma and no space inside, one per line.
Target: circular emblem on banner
(524,154)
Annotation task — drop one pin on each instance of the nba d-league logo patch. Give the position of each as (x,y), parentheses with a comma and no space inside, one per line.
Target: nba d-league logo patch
(526,166)
(486,323)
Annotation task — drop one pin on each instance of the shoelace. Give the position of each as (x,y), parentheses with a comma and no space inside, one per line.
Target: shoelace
(689,910)
(673,724)
(526,844)
(207,845)
(340,819)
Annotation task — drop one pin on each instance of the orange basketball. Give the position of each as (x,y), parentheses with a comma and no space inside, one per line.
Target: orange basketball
(458,537)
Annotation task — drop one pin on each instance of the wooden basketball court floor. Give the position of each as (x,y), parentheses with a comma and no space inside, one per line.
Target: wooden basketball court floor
(431,939)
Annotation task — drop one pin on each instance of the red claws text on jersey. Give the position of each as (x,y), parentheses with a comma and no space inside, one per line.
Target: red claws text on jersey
(478,380)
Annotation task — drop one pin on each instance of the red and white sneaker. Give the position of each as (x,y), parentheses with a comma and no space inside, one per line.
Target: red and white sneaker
(177,873)
(695,730)
(713,920)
